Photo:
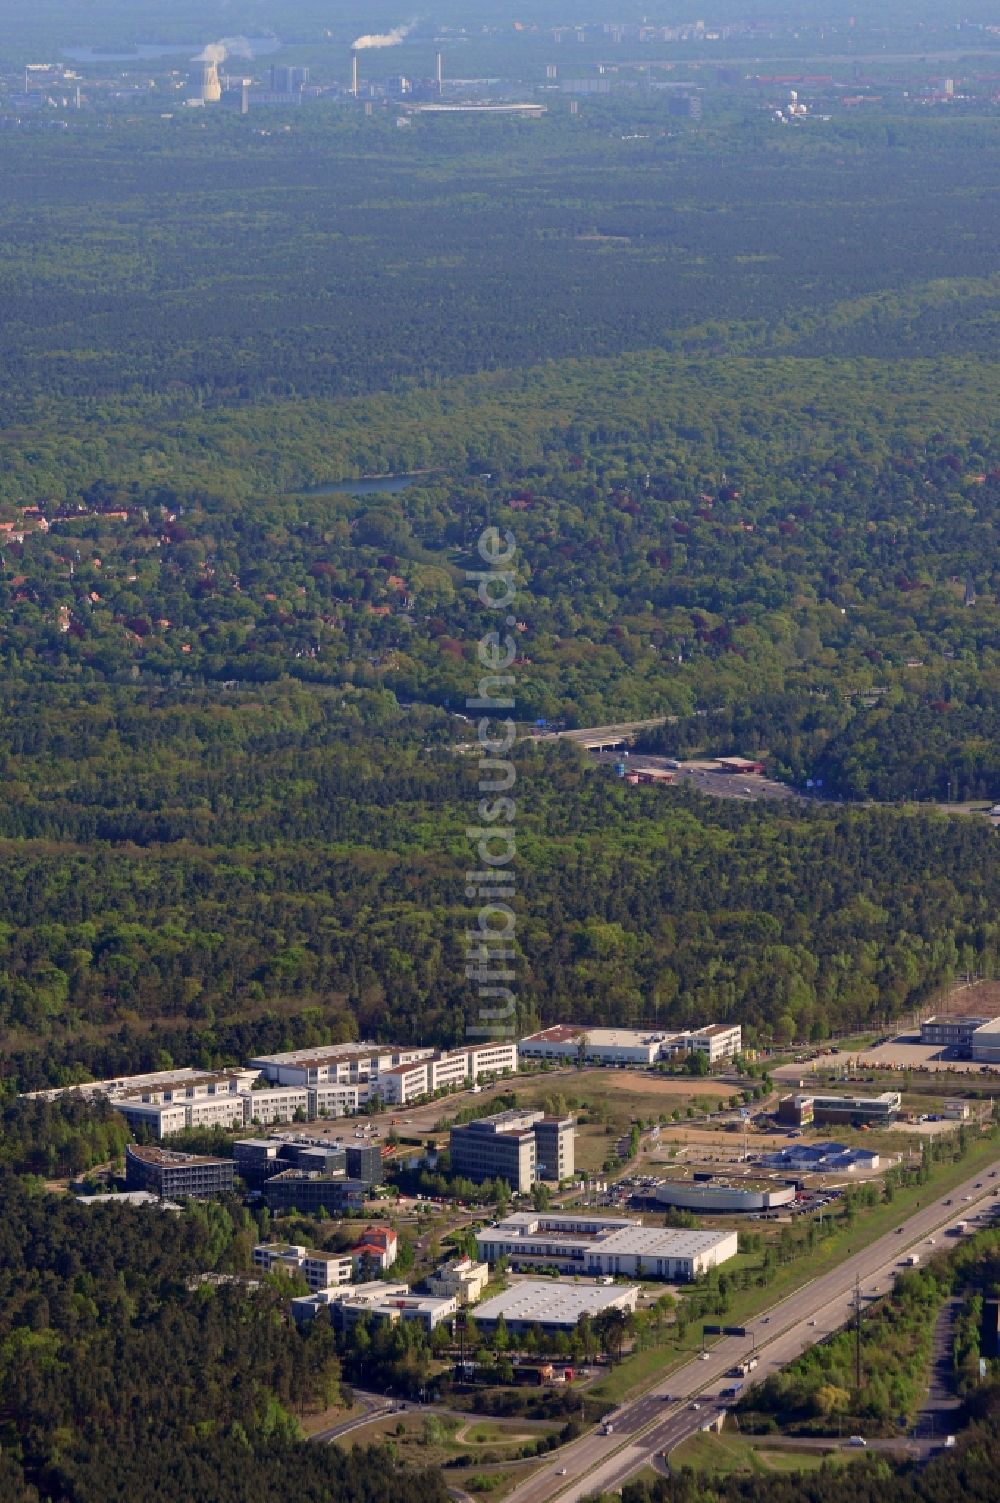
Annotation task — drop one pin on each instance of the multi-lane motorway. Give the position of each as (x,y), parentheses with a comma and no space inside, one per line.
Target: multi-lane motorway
(682,1403)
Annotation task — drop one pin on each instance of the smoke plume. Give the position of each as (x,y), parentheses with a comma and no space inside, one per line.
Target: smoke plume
(385,39)
(217,52)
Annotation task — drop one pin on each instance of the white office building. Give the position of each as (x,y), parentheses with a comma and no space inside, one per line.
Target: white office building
(320,1270)
(599,1246)
(638,1048)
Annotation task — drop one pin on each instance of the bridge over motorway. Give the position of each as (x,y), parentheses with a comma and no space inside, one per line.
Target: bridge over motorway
(602,737)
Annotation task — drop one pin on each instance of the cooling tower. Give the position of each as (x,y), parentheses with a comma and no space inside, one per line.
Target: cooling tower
(210,90)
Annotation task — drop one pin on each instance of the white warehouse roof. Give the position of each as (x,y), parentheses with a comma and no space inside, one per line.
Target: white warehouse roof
(553,1302)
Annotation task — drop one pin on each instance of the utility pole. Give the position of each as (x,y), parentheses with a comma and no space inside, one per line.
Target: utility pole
(857,1333)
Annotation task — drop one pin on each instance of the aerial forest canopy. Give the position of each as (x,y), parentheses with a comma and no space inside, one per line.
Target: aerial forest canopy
(732,390)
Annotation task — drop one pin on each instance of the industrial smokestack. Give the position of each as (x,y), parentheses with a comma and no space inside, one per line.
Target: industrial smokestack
(354,73)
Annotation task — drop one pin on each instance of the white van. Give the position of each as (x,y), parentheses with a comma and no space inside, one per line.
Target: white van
(857,1440)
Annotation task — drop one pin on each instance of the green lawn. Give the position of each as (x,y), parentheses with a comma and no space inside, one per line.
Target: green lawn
(729,1453)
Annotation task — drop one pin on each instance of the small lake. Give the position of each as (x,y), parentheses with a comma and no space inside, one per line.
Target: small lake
(370,485)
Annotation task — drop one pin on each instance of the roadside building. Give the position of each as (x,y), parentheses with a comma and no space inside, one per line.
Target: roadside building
(176,1176)
(957,1111)
(448,1069)
(552,1306)
(598,1246)
(359,1065)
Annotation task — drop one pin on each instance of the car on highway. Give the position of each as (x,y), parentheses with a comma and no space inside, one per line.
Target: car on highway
(696,1405)
(705,1356)
(561,1472)
(857,1440)
(812,1322)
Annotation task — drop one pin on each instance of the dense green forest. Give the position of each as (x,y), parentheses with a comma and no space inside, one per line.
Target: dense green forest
(124,1375)
(160,864)
(732,389)
(233,810)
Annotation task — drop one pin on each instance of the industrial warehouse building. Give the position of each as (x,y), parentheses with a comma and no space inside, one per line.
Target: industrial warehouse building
(552,1306)
(875,1111)
(172,1175)
(520,1147)
(629,1046)
(952,1030)
(986,1043)
(596,1246)
(714,1195)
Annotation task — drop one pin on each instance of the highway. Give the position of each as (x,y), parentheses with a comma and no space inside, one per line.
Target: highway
(682,1403)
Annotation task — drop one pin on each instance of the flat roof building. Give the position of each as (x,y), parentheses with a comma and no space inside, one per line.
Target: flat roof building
(176,1175)
(520,1147)
(636,1047)
(554,1306)
(597,1246)
(986,1043)
(873,1110)
(952,1030)
(320,1270)
(463,1280)
(711,1196)
(298,1189)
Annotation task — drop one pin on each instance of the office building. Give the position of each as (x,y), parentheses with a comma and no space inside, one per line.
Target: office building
(520,1147)
(307,1307)
(463,1280)
(176,1176)
(320,1270)
(450,1069)
(555,1148)
(630,1047)
(297,1189)
(596,1246)
(875,1111)
(357,1065)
